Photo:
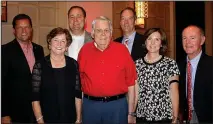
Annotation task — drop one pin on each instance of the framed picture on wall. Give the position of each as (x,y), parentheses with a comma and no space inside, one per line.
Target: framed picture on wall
(3,11)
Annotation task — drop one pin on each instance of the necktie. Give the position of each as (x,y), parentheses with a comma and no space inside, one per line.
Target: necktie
(126,42)
(189,90)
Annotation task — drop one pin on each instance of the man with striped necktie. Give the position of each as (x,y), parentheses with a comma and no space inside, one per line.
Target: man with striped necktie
(196,78)
(133,40)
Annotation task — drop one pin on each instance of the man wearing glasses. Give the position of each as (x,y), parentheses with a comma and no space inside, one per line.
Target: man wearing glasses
(108,75)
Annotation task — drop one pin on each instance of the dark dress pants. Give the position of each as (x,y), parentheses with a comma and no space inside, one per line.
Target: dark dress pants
(99,112)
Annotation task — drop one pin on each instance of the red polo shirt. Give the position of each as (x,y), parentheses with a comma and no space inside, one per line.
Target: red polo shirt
(106,73)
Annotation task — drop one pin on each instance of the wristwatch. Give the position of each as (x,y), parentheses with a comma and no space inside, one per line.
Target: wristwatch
(132,114)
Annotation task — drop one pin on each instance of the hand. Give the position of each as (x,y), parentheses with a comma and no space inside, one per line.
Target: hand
(131,119)
(78,122)
(174,121)
(6,120)
(40,121)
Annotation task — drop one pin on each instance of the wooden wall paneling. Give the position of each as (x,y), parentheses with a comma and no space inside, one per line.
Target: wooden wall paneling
(44,17)
(117,7)
(209,27)
(159,15)
(172,31)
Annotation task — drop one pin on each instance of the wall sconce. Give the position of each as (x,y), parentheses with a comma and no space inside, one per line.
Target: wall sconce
(141,8)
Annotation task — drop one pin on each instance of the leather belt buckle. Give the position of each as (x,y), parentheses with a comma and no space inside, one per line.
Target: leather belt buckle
(105,99)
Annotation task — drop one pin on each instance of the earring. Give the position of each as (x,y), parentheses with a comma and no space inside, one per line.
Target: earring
(49,47)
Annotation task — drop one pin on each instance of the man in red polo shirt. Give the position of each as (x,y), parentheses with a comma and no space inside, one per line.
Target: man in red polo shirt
(108,74)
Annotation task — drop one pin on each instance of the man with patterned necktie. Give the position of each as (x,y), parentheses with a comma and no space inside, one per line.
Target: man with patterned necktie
(196,78)
(131,39)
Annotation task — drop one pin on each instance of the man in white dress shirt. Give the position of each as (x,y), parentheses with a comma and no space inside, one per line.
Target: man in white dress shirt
(77,20)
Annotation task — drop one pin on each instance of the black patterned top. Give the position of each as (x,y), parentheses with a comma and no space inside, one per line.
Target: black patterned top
(154,102)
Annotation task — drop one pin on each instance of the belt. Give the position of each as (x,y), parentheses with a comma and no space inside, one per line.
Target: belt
(105,99)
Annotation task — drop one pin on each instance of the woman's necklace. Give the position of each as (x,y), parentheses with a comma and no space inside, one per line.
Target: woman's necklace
(154,60)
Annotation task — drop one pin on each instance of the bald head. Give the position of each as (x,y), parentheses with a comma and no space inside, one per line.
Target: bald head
(192,39)
(195,27)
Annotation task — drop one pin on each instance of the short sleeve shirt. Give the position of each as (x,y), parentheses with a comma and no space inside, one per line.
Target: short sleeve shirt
(106,73)
(154,102)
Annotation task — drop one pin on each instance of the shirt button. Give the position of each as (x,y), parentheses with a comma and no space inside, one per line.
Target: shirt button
(103,73)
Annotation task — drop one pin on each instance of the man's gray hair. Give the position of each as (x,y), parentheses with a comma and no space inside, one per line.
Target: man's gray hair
(103,18)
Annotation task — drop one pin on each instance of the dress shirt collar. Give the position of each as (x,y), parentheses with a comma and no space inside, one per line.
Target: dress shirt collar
(26,45)
(195,60)
(95,44)
(82,35)
(130,37)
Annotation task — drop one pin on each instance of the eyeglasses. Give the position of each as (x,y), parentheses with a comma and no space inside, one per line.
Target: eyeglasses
(100,31)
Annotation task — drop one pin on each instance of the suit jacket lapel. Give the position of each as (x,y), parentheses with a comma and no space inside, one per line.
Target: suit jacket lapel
(87,37)
(21,55)
(120,39)
(35,51)
(134,44)
(199,72)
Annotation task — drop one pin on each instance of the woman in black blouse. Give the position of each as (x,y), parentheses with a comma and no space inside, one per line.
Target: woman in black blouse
(157,96)
(56,91)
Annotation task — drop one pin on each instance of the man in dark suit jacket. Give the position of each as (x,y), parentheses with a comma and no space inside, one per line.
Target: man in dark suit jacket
(202,77)
(18,58)
(136,41)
